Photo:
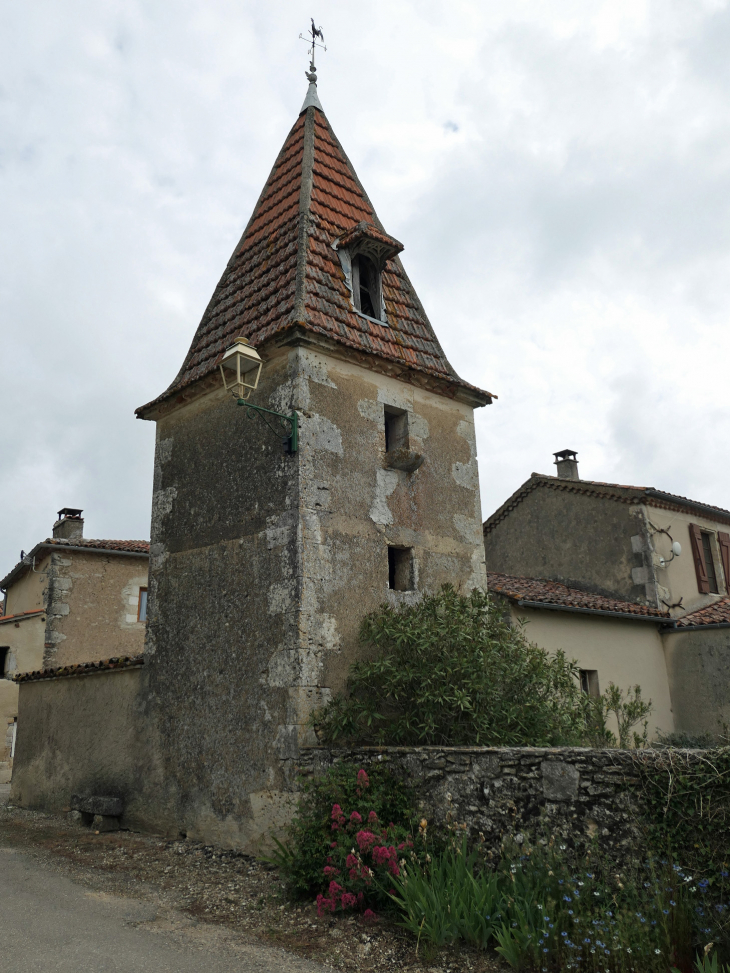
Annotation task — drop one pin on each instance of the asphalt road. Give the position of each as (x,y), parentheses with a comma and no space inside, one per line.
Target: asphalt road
(50,924)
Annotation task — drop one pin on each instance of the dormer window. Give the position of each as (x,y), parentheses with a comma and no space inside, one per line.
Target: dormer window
(366,286)
(363,252)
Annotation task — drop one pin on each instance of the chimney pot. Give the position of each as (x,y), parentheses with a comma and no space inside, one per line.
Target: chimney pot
(567,463)
(70,524)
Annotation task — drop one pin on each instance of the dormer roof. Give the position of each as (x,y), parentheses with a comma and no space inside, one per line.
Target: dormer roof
(285,280)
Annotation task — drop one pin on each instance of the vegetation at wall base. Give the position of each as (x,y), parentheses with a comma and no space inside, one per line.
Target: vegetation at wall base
(344,803)
(685,808)
(541,913)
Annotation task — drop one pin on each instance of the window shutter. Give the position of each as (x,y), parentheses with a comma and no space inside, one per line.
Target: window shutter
(724,541)
(703,582)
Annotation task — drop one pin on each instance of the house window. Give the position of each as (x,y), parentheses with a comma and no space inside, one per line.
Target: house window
(366,286)
(396,429)
(589,682)
(400,568)
(4,654)
(709,562)
(142,605)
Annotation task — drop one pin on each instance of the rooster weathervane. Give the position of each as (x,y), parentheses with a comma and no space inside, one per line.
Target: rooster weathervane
(316,32)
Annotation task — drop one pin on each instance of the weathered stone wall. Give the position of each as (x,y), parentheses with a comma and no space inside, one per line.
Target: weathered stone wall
(698,666)
(263,564)
(86,735)
(575,794)
(583,541)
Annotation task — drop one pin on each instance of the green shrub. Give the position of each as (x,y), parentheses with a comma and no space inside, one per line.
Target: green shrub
(629,710)
(302,855)
(450,671)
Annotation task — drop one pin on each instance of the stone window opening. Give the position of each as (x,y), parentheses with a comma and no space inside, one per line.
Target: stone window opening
(142,605)
(589,682)
(400,568)
(396,428)
(4,659)
(366,286)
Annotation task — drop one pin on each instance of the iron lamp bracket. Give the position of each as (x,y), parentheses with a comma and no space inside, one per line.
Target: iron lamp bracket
(287,427)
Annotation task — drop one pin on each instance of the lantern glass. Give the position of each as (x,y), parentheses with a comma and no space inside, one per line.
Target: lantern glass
(240,368)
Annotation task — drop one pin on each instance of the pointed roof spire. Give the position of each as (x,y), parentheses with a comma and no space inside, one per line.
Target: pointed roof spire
(289,277)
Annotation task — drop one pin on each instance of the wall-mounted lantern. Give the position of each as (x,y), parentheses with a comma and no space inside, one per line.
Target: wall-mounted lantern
(240,368)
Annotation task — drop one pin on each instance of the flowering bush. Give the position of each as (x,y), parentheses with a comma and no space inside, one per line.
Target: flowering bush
(363,859)
(347,835)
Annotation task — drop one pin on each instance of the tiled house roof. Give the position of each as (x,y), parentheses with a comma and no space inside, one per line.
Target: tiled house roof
(551,593)
(716,614)
(285,275)
(81,668)
(611,491)
(45,547)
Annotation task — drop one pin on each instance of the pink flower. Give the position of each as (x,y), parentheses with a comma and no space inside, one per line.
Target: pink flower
(333,845)
(335,889)
(336,812)
(365,840)
(348,901)
(355,818)
(324,905)
(329,871)
(362,779)
(351,861)
(372,818)
(369,916)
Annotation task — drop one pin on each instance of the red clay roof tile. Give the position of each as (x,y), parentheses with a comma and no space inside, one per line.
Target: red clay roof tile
(554,593)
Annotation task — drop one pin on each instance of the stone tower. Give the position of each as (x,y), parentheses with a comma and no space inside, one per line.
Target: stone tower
(263,562)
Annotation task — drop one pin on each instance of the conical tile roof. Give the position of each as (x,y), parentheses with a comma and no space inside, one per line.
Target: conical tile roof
(285,276)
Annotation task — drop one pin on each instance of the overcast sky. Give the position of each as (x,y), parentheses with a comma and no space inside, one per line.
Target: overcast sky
(559,173)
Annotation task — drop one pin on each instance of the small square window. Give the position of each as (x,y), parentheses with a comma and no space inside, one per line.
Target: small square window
(400,568)
(142,605)
(589,682)
(396,429)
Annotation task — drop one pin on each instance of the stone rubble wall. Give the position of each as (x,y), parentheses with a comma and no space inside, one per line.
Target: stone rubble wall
(574,794)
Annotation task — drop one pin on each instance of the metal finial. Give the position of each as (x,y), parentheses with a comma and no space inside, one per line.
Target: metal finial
(315,32)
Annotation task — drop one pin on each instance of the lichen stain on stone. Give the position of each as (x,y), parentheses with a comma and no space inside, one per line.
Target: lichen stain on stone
(466,475)
(318,432)
(385,483)
(469,528)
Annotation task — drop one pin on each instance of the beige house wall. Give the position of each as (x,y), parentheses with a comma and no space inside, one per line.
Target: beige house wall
(93,607)
(678,577)
(28,592)
(24,639)
(623,652)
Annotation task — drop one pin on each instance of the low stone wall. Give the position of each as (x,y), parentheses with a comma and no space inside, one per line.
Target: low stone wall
(575,794)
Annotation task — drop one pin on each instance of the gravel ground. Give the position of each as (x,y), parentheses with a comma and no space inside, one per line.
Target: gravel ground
(227,889)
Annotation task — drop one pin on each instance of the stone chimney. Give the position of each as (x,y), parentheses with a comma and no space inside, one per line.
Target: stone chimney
(70,524)
(567,463)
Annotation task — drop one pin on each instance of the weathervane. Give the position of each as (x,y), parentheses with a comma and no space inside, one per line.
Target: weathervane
(315,32)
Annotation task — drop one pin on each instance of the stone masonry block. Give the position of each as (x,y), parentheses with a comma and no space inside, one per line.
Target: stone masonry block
(559,780)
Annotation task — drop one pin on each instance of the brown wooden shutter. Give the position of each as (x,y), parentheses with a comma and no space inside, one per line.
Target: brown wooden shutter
(724,541)
(703,582)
